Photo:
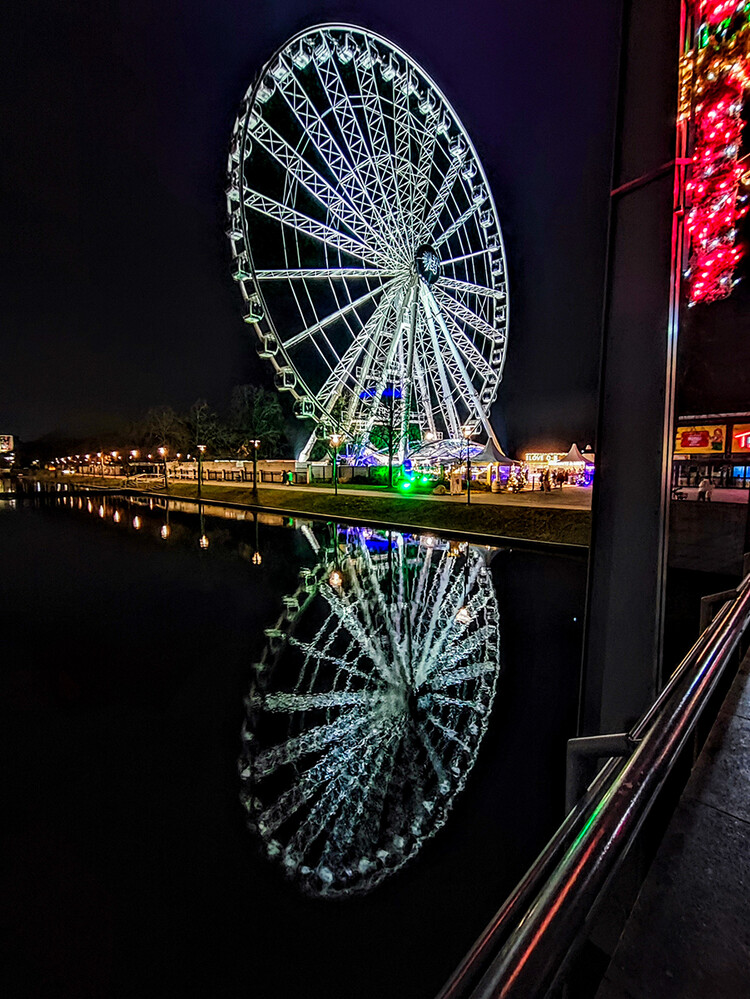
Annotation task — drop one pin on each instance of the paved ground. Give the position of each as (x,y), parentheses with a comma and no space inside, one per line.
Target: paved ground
(688,936)
(718,495)
(567,498)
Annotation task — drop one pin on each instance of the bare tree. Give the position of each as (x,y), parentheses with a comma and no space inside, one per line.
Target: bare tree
(162,427)
(255,414)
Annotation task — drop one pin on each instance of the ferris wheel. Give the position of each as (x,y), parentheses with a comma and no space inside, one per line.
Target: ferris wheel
(366,243)
(368,706)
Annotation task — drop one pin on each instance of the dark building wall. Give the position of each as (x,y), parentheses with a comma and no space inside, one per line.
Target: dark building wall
(713,366)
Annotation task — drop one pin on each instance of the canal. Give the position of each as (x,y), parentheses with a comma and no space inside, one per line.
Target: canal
(255,755)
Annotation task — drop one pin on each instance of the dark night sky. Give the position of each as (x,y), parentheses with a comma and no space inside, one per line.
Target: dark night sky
(117,293)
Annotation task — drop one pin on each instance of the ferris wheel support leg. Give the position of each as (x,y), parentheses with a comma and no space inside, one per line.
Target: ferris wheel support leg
(431,303)
(306,451)
(403,447)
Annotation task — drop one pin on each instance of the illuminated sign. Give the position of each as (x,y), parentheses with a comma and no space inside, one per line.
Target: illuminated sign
(545,457)
(741,437)
(6,443)
(700,439)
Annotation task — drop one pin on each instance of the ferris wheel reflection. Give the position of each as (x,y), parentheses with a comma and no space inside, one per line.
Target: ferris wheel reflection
(368,705)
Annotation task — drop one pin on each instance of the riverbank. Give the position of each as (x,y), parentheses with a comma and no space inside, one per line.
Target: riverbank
(523,516)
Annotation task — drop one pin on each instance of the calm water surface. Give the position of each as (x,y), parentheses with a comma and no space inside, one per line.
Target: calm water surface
(303,760)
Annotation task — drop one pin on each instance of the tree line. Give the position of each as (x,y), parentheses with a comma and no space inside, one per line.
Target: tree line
(254,413)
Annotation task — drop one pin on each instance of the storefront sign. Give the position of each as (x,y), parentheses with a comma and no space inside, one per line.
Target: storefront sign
(543,457)
(6,443)
(741,438)
(701,439)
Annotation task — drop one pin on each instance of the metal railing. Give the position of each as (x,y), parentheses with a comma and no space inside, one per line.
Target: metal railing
(526,947)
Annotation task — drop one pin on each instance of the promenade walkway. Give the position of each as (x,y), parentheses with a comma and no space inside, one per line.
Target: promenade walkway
(688,936)
(565,498)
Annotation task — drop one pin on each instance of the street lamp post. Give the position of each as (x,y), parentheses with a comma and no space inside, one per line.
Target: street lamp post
(335,443)
(201,449)
(255,445)
(467,435)
(163,453)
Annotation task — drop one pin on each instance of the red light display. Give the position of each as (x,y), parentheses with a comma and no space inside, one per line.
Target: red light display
(721,67)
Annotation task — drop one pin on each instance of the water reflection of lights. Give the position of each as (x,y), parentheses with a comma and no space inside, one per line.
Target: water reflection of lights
(368,706)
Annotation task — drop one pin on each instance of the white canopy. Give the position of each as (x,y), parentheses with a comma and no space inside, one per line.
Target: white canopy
(574,457)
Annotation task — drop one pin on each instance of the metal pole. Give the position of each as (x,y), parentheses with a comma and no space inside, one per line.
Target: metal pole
(335,477)
(468,473)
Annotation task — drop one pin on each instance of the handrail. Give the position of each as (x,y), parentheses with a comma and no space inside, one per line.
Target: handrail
(523,946)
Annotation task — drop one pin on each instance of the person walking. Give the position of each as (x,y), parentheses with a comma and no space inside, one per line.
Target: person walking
(705,489)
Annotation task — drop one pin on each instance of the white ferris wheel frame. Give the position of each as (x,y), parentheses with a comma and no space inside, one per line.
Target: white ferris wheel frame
(439,343)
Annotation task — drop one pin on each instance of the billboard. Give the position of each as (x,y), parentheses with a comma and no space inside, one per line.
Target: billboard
(6,443)
(702,439)
(741,438)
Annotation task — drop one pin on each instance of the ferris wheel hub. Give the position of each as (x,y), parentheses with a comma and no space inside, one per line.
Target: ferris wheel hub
(427,263)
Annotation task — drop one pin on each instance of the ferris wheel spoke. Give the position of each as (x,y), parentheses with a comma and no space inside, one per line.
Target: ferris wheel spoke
(337,785)
(423,392)
(299,795)
(339,314)
(445,701)
(463,674)
(467,315)
(311,741)
(325,658)
(428,641)
(425,164)
(402,137)
(461,379)
(372,106)
(377,176)
(351,622)
(446,397)
(470,351)
(451,734)
(287,703)
(320,273)
(309,227)
(460,221)
(447,625)
(434,757)
(467,288)
(361,159)
(328,149)
(444,402)
(380,609)
(461,649)
(467,256)
(373,351)
(343,373)
(424,577)
(441,198)
(400,300)
(316,186)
